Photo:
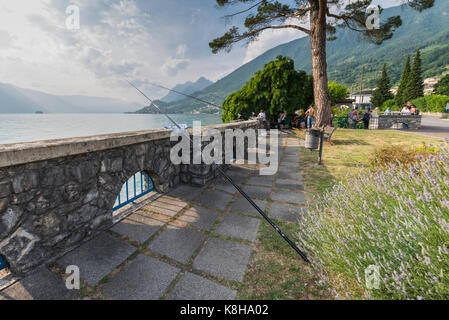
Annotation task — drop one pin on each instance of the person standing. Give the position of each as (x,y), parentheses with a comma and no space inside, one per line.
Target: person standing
(310,113)
(366,119)
(353,118)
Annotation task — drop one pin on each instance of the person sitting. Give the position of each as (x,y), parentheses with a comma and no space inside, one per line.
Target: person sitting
(413,109)
(274,124)
(262,116)
(299,121)
(281,120)
(405,111)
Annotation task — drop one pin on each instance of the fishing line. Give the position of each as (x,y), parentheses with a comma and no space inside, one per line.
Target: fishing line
(223,173)
(294,135)
(186,95)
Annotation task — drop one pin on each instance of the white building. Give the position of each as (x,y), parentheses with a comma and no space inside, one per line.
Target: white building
(362,98)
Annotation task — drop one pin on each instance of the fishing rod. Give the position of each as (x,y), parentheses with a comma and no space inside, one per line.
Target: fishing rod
(186,95)
(294,135)
(223,173)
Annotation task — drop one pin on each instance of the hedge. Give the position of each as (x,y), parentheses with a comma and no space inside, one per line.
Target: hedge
(432,103)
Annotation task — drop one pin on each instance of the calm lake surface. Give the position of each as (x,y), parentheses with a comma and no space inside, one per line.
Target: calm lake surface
(16,128)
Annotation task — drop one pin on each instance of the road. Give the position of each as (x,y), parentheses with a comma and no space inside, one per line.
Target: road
(434,127)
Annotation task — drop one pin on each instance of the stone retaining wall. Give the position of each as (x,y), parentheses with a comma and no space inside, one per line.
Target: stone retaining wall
(56,194)
(411,122)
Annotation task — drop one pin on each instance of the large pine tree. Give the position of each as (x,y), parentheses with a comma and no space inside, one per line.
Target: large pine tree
(401,96)
(319,20)
(416,85)
(382,92)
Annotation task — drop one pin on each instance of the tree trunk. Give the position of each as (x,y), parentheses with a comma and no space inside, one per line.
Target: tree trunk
(319,62)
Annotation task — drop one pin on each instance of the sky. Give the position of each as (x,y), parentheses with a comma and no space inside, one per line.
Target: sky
(144,41)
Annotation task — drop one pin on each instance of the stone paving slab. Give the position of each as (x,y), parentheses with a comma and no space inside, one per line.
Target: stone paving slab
(286,169)
(238,176)
(144,278)
(223,258)
(167,206)
(238,227)
(177,243)
(292,151)
(215,199)
(241,170)
(193,287)
(290,175)
(289,184)
(290,158)
(290,164)
(285,212)
(242,205)
(185,191)
(139,226)
(200,217)
(257,192)
(288,196)
(98,257)
(266,181)
(39,285)
(223,185)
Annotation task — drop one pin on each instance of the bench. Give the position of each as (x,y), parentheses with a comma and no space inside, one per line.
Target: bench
(328,132)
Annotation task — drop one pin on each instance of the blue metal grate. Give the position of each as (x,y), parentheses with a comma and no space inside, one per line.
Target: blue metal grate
(3,263)
(136,187)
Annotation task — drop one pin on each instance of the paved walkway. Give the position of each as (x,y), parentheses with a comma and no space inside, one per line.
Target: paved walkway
(193,243)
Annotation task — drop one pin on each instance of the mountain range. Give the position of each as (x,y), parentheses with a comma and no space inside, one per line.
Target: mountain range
(187,88)
(18,100)
(428,30)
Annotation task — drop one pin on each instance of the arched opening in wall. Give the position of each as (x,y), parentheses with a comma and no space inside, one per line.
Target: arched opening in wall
(135,191)
(399,126)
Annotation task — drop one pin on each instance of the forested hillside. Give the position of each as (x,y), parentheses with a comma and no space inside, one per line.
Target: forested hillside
(428,30)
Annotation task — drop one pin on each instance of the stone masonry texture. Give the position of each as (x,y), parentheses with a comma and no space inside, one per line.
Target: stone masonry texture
(54,195)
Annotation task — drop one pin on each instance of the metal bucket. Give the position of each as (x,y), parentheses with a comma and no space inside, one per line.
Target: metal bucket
(312,139)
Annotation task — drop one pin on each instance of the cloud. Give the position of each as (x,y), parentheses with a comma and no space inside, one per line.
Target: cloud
(5,39)
(181,50)
(174,65)
(138,40)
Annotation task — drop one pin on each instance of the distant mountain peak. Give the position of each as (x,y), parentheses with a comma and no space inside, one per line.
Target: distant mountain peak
(187,88)
(19,100)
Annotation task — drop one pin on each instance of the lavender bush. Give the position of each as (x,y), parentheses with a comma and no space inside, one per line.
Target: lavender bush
(396,219)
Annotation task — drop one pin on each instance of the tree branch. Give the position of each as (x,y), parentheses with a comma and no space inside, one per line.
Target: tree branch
(246,10)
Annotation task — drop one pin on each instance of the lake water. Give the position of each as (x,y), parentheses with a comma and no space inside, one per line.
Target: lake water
(16,128)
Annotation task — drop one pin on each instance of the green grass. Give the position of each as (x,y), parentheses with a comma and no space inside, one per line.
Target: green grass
(276,272)
(349,154)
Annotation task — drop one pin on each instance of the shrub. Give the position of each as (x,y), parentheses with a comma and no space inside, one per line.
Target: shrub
(395,219)
(386,155)
(340,111)
(391,104)
(432,103)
